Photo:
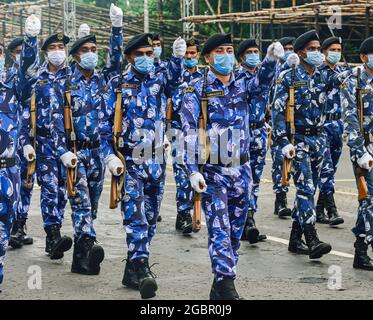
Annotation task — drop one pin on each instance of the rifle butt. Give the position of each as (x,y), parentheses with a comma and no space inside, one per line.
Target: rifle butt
(31,167)
(285,172)
(197,213)
(113,193)
(362,187)
(70,183)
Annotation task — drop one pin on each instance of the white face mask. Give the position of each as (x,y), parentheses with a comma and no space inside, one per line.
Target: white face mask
(57,58)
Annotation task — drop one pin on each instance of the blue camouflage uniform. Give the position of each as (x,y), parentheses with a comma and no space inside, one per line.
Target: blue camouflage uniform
(334,133)
(358,146)
(309,114)
(258,130)
(226,200)
(86,102)
(144,100)
(14,94)
(184,190)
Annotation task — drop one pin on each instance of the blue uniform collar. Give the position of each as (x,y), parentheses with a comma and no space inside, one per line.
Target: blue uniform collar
(211,78)
(132,75)
(79,76)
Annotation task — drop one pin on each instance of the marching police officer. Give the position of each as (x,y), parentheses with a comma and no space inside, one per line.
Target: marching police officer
(309,147)
(143,103)
(332,50)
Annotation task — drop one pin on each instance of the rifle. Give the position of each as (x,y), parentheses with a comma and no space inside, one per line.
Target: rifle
(71,137)
(117,182)
(203,140)
(363,193)
(289,119)
(31,166)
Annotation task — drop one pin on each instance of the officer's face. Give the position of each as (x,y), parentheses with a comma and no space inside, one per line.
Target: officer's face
(289,47)
(157,44)
(15,52)
(85,48)
(364,57)
(56,46)
(249,51)
(192,53)
(209,58)
(313,45)
(336,47)
(147,51)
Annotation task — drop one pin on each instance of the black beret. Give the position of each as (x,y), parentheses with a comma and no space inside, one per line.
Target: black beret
(215,41)
(250,43)
(78,43)
(192,42)
(57,37)
(139,41)
(329,41)
(15,43)
(155,36)
(366,46)
(286,40)
(302,41)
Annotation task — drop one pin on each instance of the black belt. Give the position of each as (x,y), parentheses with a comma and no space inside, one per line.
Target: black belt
(42,132)
(309,131)
(84,145)
(333,116)
(7,162)
(243,159)
(257,125)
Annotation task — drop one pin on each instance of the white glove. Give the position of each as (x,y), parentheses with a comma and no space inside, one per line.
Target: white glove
(293,60)
(69,159)
(275,51)
(84,30)
(288,151)
(114,164)
(198,182)
(32,26)
(29,153)
(268,128)
(366,161)
(166,144)
(116,16)
(179,48)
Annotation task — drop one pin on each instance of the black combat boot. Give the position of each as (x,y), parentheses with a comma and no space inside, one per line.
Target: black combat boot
(296,244)
(320,206)
(130,277)
(159,218)
(224,290)
(250,232)
(179,222)
(331,209)
(281,205)
(184,223)
(361,258)
(55,245)
(147,284)
(316,247)
(87,256)
(17,234)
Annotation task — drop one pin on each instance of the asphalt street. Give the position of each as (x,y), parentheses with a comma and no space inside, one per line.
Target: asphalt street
(266,270)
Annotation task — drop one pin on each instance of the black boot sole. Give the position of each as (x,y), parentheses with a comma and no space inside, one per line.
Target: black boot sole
(336,221)
(130,284)
(252,235)
(297,251)
(262,237)
(96,257)
(62,246)
(15,244)
(28,241)
(147,288)
(320,250)
(284,213)
(159,219)
(361,267)
(188,229)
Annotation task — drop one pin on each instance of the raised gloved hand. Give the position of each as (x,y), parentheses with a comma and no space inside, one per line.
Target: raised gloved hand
(115,165)
(288,151)
(29,153)
(116,16)
(366,161)
(198,182)
(32,26)
(69,159)
(275,51)
(293,60)
(84,30)
(179,48)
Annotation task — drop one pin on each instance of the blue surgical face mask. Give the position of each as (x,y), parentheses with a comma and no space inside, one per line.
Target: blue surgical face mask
(224,63)
(144,64)
(370,61)
(2,64)
(157,52)
(334,57)
(314,58)
(190,63)
(287,54)
(252,60)
(88,61)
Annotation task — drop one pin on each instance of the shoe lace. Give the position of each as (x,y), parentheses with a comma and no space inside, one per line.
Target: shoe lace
(151,272)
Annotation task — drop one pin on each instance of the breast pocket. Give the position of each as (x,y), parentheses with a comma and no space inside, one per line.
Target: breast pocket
(8,102)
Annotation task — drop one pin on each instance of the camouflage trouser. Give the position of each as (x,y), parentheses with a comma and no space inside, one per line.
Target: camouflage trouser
(141,204)
(258,151)
(364,222)
(226,205)
(277,162)
(89,185)
(25,193)
(334,144)
(309,155)
(9,193)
